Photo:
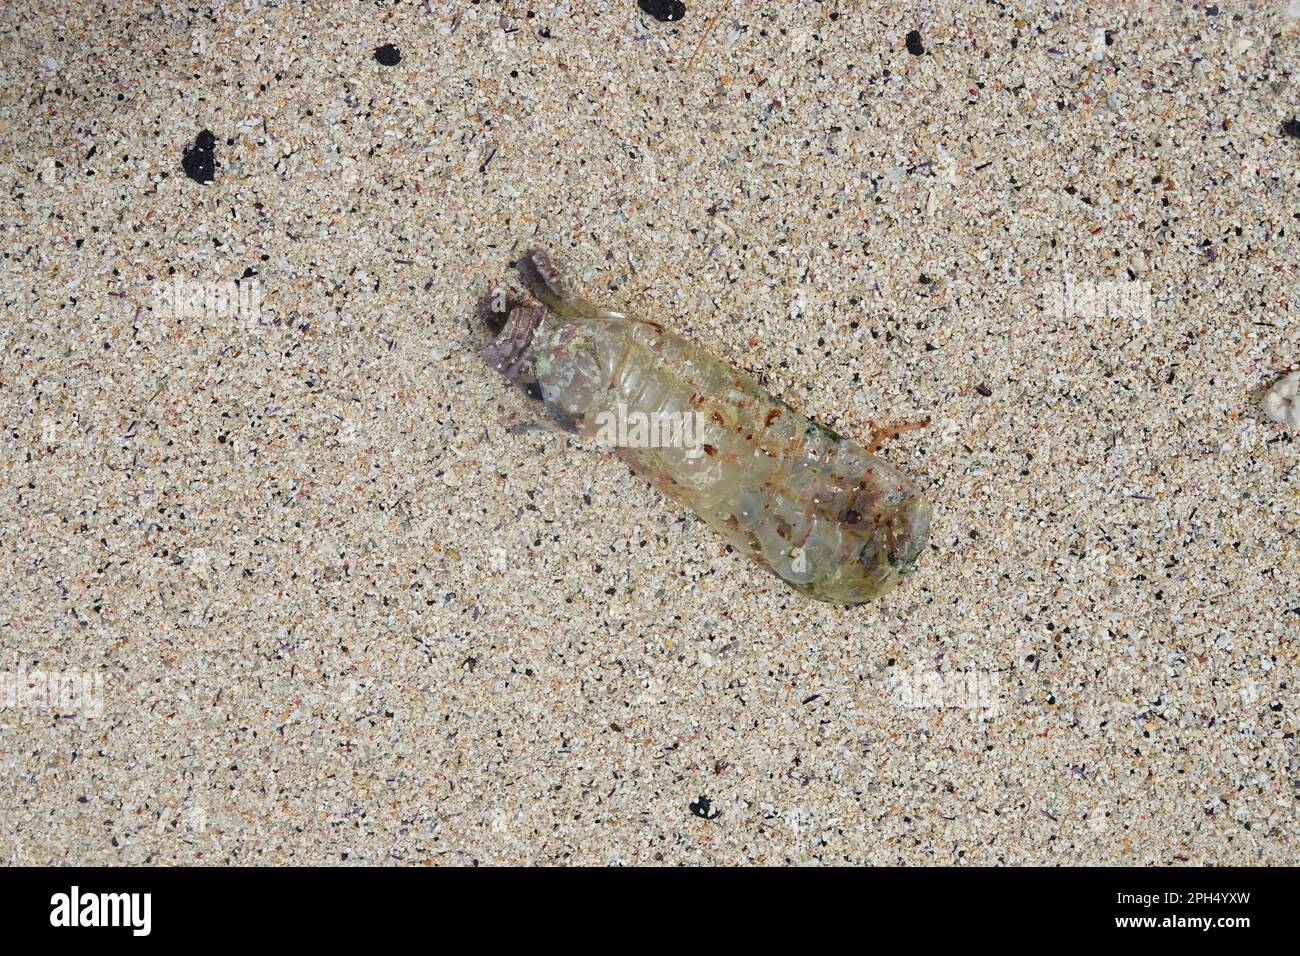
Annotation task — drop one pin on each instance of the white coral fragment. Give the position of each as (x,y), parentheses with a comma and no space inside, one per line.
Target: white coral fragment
(1282,404)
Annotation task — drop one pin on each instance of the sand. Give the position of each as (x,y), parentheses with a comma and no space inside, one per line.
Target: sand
(290,576)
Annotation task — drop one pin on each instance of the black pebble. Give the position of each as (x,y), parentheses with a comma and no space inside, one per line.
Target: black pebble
(665,11)
(199,162)
(1291,128)
(914,46)
(702,806)
(388,55)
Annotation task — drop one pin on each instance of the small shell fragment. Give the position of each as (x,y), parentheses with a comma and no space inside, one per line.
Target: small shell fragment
(1281,404)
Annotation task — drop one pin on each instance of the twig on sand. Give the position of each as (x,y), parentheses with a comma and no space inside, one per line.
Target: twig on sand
(707,30)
